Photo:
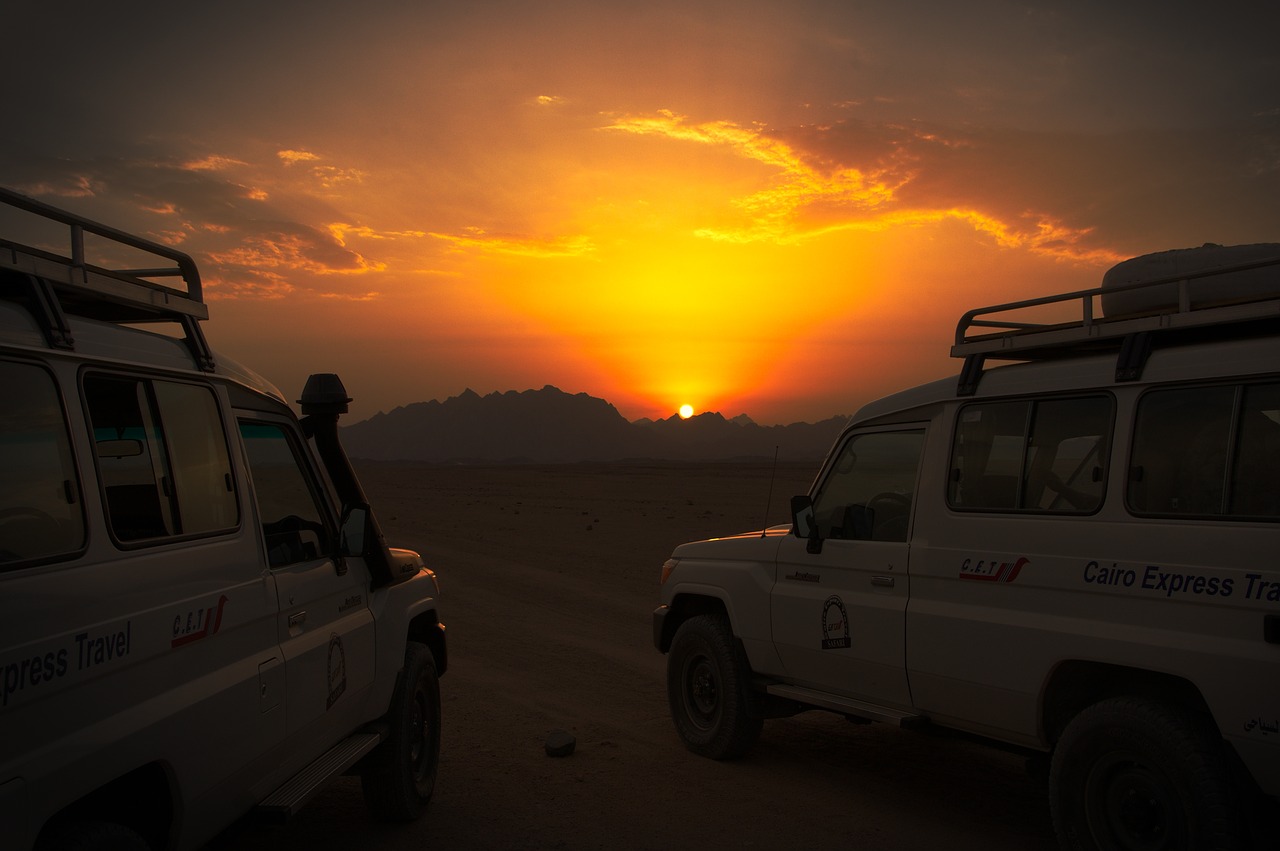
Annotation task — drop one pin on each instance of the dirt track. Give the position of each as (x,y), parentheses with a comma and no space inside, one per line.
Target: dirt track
(549,578)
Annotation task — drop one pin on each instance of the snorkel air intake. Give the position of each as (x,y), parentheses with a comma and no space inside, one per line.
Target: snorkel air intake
(324,399)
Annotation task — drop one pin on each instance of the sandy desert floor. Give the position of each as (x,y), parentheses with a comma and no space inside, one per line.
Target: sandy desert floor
(549,579)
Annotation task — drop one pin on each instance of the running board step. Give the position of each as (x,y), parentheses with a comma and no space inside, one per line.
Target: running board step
(847,705)
(303,786)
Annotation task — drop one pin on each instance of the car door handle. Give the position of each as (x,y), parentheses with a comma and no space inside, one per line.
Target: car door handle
(882,581)
(297,619)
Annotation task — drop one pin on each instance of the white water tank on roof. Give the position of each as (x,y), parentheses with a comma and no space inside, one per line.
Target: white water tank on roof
(1217,278)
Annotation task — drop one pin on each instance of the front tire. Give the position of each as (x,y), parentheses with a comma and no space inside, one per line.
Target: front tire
(707,690)
(1138,775)
(400,774)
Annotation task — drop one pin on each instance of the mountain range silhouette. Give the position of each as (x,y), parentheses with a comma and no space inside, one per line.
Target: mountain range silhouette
(551,426)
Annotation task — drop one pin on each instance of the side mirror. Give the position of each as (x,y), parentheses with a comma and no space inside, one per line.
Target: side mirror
(803,522)
(353,533)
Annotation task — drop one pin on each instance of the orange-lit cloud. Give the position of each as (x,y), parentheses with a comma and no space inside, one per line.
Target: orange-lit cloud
(806,202)
(369,296)
(258,284)
(773,210)
(212,162)
(342,231)
(291,157)
(477,240)
(328,176)
(297,251)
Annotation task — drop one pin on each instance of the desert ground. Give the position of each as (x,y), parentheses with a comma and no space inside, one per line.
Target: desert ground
(549,577)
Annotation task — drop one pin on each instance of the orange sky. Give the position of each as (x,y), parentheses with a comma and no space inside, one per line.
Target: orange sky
(778,209)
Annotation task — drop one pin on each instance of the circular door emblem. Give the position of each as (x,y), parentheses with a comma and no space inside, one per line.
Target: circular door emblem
(835,624)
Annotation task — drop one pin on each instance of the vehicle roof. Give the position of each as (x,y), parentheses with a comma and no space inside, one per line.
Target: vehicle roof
(1200,314)
(65,304)
(117,345)
(1201,362)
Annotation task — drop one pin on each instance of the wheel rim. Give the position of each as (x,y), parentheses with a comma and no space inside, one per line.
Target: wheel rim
(1132,806)
(701,691)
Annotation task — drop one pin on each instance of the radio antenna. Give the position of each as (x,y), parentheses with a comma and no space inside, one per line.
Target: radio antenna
(768,503)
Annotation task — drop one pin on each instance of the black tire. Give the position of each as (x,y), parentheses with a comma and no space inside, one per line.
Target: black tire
(90,835)
(707,689)
(1138,775)
(400,774)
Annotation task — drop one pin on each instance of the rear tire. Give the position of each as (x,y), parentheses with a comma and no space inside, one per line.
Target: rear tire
(1139,775)
(707,689)
(400,774)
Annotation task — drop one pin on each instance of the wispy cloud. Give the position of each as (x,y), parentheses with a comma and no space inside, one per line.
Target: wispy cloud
(342,232)
(70,186)
(328,176)
(291,157)
(774,212)
(212,162)
(368,296)
(297,248)
(1040,234)
(254,284)
(476,239)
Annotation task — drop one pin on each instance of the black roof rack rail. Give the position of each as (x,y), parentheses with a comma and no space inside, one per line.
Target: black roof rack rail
(1015,336)
(69,283)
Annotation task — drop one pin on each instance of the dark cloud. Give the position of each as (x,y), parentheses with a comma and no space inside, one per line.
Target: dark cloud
(246,243)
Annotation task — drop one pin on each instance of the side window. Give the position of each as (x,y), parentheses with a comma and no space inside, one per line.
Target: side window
(162,458)
(1254,477)
(987,456)
(1035,455)
(1207,451)
(287,502)
(40,508)
(867,494)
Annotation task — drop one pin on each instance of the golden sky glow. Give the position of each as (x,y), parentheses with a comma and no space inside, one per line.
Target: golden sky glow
(778,209)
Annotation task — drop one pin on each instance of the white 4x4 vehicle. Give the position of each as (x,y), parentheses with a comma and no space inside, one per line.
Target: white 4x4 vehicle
(198,613)
(1075,554)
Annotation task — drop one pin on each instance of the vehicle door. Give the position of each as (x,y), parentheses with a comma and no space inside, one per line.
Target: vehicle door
(326,628)
(172,615)
(839,600)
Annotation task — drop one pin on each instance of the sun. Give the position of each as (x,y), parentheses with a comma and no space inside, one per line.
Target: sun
(686,411)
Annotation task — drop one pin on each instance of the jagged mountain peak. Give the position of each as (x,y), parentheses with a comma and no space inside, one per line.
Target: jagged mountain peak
(552,426)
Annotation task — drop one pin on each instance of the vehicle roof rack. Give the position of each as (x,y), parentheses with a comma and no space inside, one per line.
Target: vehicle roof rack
(53,285)
(1185,310)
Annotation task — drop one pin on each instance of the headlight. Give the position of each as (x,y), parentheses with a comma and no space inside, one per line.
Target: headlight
(668,566)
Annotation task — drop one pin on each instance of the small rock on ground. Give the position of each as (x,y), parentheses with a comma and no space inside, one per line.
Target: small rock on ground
(560,743)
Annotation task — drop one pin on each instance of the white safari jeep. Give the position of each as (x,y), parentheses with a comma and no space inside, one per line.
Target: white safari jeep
(1077,554)
(198,613)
